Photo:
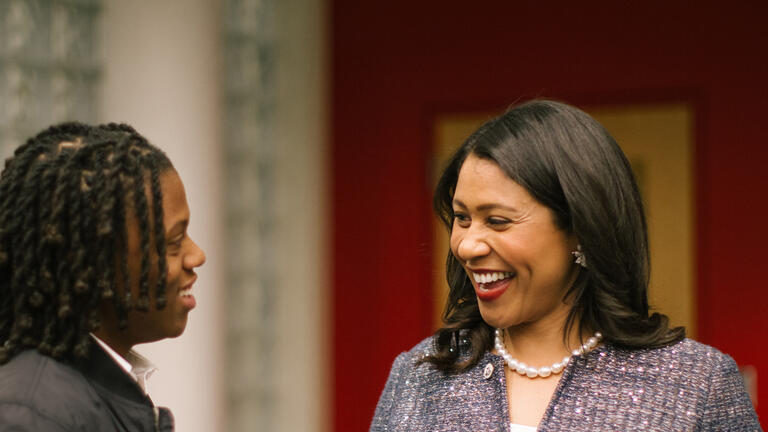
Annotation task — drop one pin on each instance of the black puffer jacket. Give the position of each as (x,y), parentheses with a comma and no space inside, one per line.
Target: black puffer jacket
(38,393)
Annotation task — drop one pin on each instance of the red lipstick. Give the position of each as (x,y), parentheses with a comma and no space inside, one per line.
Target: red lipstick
(491,291)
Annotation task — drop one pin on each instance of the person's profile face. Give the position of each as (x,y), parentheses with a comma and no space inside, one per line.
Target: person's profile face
(182,257)
(518,260)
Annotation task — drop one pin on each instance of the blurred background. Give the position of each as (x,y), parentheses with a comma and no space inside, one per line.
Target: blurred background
(309,134)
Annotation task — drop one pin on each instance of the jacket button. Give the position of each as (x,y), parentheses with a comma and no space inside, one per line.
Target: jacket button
(488,371)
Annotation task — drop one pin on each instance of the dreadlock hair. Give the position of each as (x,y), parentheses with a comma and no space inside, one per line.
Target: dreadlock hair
(64,196)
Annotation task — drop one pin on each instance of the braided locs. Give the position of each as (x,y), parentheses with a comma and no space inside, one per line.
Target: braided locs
(64,197)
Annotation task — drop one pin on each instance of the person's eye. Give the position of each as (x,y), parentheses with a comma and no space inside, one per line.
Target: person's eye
(461,219)
(498,222)
(176,242)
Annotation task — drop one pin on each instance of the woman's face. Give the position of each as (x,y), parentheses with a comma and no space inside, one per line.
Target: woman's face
(518,260)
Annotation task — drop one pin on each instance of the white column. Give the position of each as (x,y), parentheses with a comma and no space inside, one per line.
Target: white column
(161,75)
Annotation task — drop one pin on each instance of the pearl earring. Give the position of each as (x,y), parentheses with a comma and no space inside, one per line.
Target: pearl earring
(579,255)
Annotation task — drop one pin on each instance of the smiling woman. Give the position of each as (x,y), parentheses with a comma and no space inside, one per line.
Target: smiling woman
(94,258)
(501,230)
(547,323)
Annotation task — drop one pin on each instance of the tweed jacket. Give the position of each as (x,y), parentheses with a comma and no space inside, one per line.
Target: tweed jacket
(686,386)
(38,393)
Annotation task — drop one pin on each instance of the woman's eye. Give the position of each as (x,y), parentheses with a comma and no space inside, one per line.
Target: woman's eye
(461,218)
(495,221)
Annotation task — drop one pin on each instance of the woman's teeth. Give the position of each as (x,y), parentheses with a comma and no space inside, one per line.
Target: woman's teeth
(186,292)
(483,278)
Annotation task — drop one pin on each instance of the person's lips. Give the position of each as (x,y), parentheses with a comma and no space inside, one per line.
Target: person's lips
(490,284)
(186,294)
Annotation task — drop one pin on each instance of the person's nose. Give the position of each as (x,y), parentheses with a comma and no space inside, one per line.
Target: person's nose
(195,258)
(472,245)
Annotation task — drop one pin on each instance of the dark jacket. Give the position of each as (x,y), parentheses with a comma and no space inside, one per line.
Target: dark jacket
(38,393)
(686,386)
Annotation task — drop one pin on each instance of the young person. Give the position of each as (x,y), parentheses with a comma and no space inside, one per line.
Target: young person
(94,259)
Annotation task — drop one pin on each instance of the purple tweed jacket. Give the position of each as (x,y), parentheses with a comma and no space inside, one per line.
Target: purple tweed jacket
(687,386)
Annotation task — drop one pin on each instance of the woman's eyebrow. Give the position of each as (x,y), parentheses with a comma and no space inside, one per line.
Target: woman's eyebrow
(486,207)
(495,206)
(458,203)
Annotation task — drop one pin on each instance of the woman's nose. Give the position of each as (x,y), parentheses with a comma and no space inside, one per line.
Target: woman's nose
(471,246)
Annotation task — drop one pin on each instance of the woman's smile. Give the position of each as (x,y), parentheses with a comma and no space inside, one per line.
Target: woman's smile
(490,285)
(518,259)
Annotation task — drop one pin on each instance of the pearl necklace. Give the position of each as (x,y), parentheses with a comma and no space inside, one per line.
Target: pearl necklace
(532,372)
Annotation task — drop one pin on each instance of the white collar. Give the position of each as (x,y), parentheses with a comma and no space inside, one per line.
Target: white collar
(136,365)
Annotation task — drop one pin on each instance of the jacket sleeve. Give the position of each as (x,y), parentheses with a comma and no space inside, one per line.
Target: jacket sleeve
(728,407)
(20,418)
(381,418)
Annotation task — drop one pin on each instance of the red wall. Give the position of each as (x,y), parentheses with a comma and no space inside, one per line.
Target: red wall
(396,64)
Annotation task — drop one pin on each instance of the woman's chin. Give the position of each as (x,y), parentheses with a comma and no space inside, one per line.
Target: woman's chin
(495,319)
(500,317)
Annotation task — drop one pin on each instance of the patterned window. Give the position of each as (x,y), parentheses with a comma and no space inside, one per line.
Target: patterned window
(250,159)
(49,69)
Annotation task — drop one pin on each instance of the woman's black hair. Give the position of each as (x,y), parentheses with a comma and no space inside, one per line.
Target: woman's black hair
(64,196)
(568,162)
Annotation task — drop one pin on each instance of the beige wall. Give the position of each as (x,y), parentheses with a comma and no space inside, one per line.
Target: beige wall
(303,295)
(161,74)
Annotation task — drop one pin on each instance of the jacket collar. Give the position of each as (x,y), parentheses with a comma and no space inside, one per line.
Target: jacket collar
(102,370)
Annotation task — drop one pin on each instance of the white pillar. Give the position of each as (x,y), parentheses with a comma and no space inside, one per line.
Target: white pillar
(161,75)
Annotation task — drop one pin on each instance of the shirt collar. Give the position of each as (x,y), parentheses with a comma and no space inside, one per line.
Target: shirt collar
(135,365)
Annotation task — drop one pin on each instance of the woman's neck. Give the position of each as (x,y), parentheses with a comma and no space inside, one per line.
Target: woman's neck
(543,342)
